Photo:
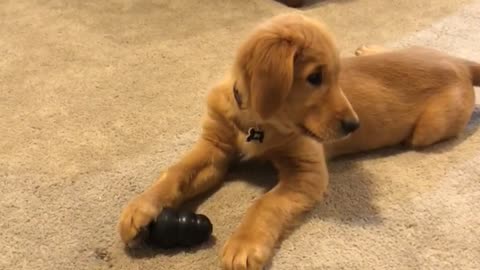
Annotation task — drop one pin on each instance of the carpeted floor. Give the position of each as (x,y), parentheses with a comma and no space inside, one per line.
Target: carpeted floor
(97,96)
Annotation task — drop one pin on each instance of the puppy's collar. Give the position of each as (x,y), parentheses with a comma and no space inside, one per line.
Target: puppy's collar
(255,134)
(236,95)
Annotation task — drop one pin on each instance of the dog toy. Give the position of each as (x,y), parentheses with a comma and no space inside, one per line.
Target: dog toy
(184,229)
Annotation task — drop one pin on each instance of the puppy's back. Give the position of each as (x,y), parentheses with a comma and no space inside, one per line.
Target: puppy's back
(411,69)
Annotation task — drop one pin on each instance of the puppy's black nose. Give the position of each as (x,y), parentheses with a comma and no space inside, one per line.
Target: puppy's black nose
(350,126)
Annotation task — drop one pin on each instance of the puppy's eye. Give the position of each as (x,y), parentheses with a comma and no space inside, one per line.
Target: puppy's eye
(315,78)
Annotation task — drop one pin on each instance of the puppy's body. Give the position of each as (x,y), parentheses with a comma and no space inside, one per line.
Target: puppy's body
(416,96)
(289,82)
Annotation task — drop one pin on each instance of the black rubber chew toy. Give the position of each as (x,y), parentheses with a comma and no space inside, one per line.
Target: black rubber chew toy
(179,229)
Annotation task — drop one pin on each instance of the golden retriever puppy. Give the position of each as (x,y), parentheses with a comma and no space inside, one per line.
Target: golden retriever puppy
(280,101)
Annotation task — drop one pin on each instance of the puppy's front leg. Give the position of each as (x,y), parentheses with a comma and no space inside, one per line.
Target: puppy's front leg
(302,183)
(199,170)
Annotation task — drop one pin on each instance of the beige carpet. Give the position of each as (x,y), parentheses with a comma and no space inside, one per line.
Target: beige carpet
(97,96)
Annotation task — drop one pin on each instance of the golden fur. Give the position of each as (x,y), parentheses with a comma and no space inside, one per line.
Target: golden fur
(292,84)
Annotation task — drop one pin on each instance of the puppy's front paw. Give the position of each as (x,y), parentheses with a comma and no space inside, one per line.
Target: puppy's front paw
(135,217)
(245,252)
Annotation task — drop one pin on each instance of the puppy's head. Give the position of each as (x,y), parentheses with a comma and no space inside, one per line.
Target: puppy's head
(287,74)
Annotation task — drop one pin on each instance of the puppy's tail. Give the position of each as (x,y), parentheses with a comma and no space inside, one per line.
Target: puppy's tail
(475,72)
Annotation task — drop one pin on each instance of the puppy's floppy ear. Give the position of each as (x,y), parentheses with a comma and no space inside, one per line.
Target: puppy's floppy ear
(271,75)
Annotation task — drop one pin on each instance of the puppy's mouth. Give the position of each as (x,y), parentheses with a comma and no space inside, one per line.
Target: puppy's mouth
(309,133)
(329,138)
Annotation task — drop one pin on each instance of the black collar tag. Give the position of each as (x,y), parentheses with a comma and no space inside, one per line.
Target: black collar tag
(255,135)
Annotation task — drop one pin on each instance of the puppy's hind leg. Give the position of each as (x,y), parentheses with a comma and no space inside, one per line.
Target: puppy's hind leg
(364,50)
(445,117)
